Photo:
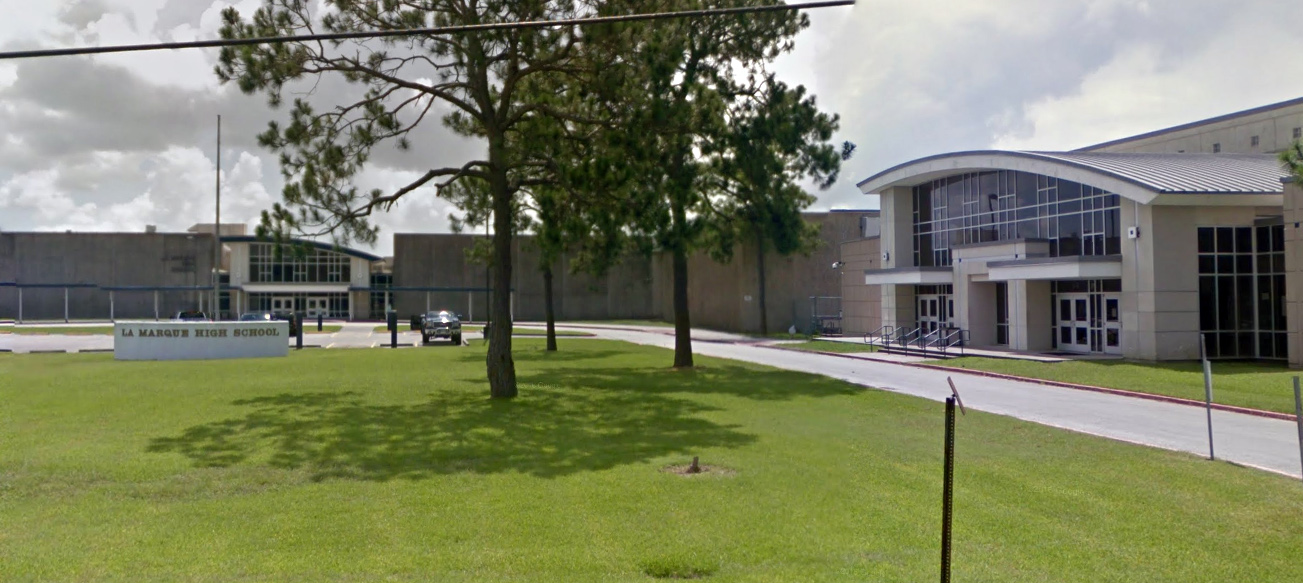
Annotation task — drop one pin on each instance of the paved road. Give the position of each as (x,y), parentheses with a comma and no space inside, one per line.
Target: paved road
(1268,444)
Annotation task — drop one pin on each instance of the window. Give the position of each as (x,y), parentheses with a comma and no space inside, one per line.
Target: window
(297,265)
(1298,133)
(1002,313)
(1217,148)
(1242,291)
(1007,205)
(1253,141)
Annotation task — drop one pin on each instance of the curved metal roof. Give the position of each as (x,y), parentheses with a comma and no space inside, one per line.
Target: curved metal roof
(1155,173)
(317,244)
(1186,173)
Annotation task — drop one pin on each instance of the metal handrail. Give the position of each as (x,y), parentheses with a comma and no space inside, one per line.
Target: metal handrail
(947,340)
(903,340)
(942,340)
(879,334)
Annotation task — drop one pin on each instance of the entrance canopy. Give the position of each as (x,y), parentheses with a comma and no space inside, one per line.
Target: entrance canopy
(1057,268)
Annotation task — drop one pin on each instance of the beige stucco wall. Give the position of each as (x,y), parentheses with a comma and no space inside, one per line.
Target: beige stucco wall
(1294,271)
(1274,129)
(897,219)
(861,304)
(725,296)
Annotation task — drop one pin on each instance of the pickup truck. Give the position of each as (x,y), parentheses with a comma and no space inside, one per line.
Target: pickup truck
(441,324)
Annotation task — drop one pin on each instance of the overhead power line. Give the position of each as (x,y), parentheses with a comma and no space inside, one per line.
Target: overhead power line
(443,30)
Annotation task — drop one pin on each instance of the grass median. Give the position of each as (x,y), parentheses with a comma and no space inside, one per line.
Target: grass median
(57,330)
(829,346)
(515,331)
(1242,384)
(365,465)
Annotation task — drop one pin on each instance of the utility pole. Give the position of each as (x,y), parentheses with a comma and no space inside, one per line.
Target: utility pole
(217,231)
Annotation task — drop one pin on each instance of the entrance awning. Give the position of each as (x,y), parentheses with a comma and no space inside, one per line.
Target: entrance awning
(1057,268)
(295,288)
(910,276)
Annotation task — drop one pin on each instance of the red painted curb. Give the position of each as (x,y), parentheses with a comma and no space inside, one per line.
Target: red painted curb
(1060,384)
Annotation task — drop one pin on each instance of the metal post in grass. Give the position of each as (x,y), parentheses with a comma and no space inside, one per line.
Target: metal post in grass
(391,319)
(1298,417)
(947,495)
(1207,391)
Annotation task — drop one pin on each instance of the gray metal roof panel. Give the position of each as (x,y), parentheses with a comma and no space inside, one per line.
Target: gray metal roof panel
(1185,173)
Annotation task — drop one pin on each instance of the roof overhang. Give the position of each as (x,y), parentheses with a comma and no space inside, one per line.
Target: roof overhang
(1180,180)
(1056,268)
(926,169)
(910,276)
(295,288)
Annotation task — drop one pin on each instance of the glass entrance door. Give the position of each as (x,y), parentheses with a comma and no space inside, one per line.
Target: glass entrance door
(934,311)
(1112,325)
(318,307)
(282,304)
(1074,323)
(1089,323)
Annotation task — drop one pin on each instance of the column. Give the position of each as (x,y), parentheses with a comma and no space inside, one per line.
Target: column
(1030,316)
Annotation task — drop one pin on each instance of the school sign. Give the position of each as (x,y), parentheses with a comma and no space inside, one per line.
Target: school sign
(200,340)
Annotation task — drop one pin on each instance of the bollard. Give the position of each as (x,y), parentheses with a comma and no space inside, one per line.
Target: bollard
(319,317)
(298,330)
(393,329)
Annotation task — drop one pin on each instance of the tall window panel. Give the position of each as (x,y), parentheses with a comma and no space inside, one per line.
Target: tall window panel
(1007,205)
(1242,291)
(297,265)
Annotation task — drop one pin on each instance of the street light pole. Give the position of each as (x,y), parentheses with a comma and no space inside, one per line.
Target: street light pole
(217,231)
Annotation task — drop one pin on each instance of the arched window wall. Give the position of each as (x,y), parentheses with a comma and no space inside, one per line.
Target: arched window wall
(1008,205)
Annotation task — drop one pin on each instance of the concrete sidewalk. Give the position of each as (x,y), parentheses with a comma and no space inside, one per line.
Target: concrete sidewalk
(1249,440)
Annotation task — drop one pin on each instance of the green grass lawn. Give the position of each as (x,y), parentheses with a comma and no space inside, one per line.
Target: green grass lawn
(311,328)
(515,331)
(370,465)
(47,330)
(1243,384)
(829,346)
(655,323)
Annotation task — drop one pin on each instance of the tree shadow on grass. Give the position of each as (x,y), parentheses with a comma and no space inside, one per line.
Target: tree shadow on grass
(547,432)
(715,378)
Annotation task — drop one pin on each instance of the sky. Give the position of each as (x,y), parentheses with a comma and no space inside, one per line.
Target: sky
(118,142)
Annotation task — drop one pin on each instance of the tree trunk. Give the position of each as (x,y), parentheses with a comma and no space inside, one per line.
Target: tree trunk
(501,368)
(549,308)
(682,323)
(760,267)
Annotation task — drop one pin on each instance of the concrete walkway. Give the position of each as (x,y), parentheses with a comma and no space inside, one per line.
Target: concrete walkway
(1268,444)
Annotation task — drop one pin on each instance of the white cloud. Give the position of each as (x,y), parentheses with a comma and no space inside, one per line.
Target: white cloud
(117,142)
(913,78)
